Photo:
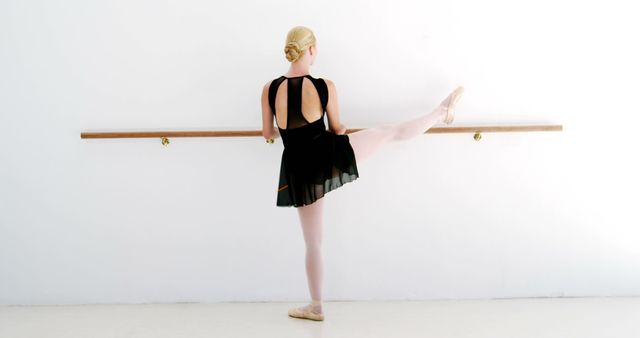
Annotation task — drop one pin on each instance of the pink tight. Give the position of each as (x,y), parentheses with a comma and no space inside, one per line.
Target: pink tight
(365,143)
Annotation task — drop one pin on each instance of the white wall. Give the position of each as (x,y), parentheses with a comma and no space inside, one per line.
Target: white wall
(444,216)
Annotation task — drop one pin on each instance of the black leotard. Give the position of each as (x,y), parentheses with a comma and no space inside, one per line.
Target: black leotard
(314,160)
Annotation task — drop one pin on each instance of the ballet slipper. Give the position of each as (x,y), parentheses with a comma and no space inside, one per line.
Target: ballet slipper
(305,314)
(450,104)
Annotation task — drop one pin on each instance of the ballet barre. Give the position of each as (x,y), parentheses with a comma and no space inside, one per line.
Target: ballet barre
(164,135)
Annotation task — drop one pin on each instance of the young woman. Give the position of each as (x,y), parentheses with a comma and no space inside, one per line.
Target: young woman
(315,160)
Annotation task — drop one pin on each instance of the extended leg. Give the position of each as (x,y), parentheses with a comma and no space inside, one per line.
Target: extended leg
(368,141)
(311,219)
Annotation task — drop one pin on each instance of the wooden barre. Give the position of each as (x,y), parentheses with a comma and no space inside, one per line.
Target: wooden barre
(246,133)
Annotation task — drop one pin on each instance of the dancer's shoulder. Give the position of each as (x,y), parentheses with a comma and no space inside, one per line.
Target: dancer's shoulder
(328,82)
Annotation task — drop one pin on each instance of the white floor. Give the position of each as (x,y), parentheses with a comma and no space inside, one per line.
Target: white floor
(533,317)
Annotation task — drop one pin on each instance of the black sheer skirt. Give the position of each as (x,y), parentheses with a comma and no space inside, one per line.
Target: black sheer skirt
(310,168)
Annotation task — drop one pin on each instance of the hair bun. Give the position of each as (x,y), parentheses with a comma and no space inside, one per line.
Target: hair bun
(292,50)
(298,40)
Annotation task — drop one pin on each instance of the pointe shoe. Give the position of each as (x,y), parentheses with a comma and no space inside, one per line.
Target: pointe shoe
(450,104)
(305,314)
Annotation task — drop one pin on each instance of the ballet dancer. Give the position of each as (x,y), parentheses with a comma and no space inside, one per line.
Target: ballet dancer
(301,51)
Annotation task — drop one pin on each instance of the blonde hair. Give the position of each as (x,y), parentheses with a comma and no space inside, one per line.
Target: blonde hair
(299,39)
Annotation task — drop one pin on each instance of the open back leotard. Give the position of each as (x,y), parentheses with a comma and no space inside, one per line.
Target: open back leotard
(314,160)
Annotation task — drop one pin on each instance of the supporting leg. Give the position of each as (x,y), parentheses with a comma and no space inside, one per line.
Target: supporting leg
(311,219)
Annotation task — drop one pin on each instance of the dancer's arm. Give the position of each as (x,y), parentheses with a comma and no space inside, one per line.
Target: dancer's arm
(333,114)
(268,130)
(276,133)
